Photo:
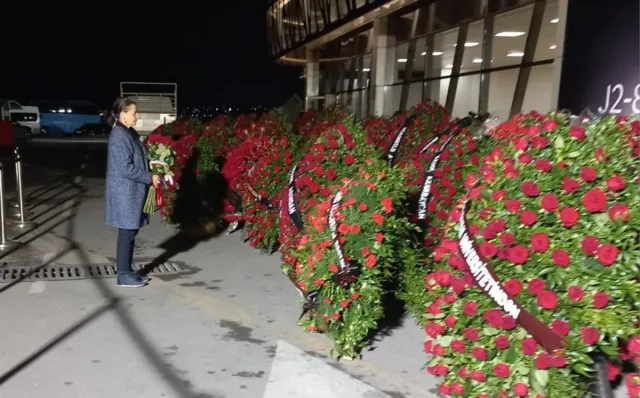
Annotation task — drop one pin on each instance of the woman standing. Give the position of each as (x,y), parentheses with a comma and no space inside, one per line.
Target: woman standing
(128,179)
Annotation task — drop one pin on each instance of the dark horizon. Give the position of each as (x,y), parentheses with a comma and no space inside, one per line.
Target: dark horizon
(217,55)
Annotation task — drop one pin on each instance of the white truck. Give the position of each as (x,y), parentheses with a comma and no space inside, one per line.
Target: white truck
(28,116)
(157,103)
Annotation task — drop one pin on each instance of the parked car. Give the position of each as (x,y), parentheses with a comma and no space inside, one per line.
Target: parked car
(93,129)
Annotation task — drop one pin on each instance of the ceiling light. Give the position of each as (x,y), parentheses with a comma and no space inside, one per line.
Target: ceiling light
(424,53)
(469,44)
(366,70)
(555,20)
(515,54)
(437,53)
(553,47)
(510,34)
(477,60)
(448,66)
(402,60)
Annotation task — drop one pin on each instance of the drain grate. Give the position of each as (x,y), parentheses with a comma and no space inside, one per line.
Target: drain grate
(75,272)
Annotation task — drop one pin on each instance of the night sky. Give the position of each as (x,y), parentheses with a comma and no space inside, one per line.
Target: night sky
(215,50)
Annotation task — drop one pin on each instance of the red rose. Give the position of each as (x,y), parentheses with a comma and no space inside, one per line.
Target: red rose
(444,389)
(575,293)
(600,154)
(518,254)
(488,250)
(540,142)
(479,353)
(549,125)
(521,144)
(471,334)
(528,218)
(349,160)
(479,376)
(498,195)
(619,212)
(559,361)
(613,371)
(588,174)
(578,133)
(508,323)
(529,346)
(543,361)
(543,165)
(616,183)
(332,174)
(387,204)
(595,201)
(634,345)
(470,308)
(569,185)
(512,205)
(507,239)
(438,370)
(550,202)
(458,346)
(600,300)
(530,189)
(501,370)
(590,336)
(607,254)
(536,286)
(525,158)
(377,218)
(569,217)
(561,258)
(547,300)
(513,287)
(521,390)
(561,328)
(539,242)
(502,342)
(493,317)
(590,245)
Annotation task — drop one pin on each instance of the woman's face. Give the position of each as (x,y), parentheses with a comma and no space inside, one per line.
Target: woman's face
(129,117)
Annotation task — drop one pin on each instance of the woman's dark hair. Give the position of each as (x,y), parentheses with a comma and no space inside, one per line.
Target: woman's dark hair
(119,105)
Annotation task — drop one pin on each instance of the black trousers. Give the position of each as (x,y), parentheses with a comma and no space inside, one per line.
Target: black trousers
(124,251)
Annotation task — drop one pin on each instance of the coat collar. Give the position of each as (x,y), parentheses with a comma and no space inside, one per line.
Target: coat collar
(131,130)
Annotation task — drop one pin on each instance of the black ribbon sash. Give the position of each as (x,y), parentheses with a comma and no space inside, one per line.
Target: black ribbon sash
(259,198)
(425,190)
(292,206)
(433,141)
(393,150)
(487,280)
(310,302)
(348,271)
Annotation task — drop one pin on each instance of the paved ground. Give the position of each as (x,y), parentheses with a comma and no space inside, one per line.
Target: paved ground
(226,328)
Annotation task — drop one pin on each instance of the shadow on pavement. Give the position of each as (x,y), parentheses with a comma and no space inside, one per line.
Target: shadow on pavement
(112,303)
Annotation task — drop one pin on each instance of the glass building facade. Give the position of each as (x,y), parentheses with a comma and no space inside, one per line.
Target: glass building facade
(381,57)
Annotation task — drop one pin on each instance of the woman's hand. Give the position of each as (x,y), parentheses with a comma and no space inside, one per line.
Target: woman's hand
(156,180)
